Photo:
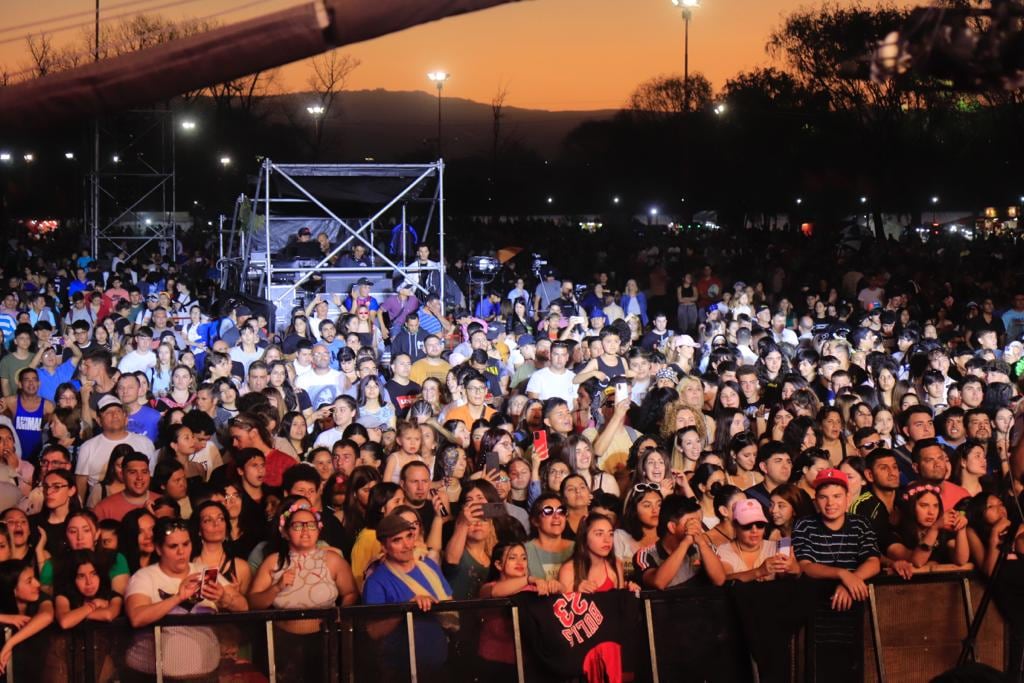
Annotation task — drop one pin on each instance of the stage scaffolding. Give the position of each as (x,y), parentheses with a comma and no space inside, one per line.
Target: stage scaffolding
(353,204)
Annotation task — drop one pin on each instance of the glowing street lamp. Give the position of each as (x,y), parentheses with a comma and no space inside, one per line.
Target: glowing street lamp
(935,200)
(439,78)
(687,6)
(316,110)
(69,155)
(188,125)
(225,161)
(719,109)
(863,200)
(29,157)
(799,201)
(5,157)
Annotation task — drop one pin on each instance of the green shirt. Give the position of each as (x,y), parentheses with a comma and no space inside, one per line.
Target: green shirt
(10,366)
(119,568)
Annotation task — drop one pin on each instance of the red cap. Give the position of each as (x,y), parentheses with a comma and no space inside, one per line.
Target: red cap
(831,476)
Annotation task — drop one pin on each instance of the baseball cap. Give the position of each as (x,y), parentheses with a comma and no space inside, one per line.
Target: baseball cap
(305,231)
(687,340)
(364,281)
(831,475)
(747,511)
(108,401)
(525,340)
(243,310)
(392,525)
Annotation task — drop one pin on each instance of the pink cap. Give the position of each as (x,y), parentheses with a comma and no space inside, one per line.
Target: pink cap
(746,511)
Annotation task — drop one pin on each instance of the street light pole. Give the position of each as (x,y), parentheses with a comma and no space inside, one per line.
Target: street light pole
(687,7)
(439,77)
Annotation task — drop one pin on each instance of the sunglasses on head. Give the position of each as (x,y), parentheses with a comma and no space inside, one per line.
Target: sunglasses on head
(548,510)
(642,488)
(753,525)
(175,526)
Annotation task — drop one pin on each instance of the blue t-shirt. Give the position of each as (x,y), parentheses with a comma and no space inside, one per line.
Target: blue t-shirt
(430,324)
(145,422)
(48,383)
(382,587)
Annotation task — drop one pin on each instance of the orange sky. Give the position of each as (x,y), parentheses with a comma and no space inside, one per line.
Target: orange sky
(551,54)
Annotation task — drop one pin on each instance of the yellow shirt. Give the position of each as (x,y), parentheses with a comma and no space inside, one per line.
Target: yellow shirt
(617,453)
(365,551)
(422,369)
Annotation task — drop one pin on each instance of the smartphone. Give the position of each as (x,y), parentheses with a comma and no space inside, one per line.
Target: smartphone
(786,546)
(209,577)
(494,510)
(540,444)
(434,494)
(621,392)
(491,460)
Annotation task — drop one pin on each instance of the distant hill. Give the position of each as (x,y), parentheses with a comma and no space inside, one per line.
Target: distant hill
(385,124)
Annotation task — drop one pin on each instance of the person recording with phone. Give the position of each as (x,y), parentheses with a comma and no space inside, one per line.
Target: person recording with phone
(750,556)
(176,585)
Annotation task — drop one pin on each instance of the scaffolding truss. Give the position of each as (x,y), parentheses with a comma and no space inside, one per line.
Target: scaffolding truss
(133,184)
(353,204)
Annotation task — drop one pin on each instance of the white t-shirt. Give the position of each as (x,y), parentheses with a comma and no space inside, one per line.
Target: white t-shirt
(95,454)
(547,384)
(327,437)
(301,369)
(187,650)
(321,388)
(728,554)
(246,359)
(209,459)
(137,362)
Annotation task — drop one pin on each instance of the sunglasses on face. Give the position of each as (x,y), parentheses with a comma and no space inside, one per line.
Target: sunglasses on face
(753,525)
(548,511)
(869,445)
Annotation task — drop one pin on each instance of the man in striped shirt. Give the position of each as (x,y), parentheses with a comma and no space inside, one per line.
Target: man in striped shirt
(836,546)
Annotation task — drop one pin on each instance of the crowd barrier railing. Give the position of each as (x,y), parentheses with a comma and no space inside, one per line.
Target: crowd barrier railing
(911,631)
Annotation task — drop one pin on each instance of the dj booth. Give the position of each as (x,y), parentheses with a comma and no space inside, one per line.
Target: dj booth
(373,205)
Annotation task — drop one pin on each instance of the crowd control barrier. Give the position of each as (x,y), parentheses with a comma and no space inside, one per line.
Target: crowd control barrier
(906,631)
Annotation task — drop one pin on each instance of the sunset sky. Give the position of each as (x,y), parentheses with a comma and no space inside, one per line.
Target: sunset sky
(551,54)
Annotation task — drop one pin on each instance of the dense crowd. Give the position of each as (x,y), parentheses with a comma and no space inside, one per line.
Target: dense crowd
(160,455)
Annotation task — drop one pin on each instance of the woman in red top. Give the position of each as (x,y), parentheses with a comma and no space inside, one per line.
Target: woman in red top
(593,567)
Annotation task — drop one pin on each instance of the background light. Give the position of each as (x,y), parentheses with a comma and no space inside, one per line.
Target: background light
(117,159)
(188,125)
(69,155)
(799,200)
(29,157)
(863,200)
(225,161)
(316,110)
(935,200)
(5,156)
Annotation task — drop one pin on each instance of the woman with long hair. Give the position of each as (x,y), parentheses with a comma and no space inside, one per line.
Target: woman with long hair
(83,591)
(375,410)
(358,487)
(987,525)
(211,529)
(705,482)
(834,439)
(725,496)
(728,423)
(686,449)
(638,527)
(593,567)
(182,391)
(788,504)
(806,467)
(298,330)
(135,538)
(741,461)
(578,452)
(652,468)
(294,431)
(922,533)
(970,466)
(800,434)
(467,555)
(578,497)
(24,607)
(294,399)
(166,358)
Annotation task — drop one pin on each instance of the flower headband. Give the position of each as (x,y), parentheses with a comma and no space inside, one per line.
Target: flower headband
(296,507)
(922,488)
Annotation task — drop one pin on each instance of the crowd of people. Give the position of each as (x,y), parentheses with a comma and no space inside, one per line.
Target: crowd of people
(159,456)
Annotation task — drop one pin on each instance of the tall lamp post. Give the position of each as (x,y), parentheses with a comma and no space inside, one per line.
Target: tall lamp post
(439,77)
(317,112)
(687,6)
